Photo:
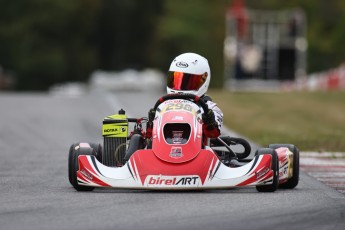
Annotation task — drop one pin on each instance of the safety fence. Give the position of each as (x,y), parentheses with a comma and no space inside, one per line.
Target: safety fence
(333,79)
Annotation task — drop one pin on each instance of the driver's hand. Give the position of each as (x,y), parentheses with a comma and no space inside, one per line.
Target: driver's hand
(209,119)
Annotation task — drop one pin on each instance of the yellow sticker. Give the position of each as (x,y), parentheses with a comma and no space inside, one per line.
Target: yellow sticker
(179,105)
(115,130)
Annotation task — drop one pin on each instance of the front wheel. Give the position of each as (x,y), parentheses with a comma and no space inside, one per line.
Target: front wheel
(73,165)
(98,151)
(275,167)
(293,181)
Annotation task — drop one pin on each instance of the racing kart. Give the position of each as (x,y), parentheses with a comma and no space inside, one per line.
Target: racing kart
(173,154)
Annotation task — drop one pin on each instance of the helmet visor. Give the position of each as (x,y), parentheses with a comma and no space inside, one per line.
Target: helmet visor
(185,81)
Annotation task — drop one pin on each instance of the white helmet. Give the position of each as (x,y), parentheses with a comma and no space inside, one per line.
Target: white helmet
(189,73)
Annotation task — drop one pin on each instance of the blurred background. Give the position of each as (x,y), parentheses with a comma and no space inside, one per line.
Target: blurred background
(49,42)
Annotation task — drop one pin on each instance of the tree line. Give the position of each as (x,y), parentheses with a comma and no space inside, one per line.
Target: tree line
(44,42)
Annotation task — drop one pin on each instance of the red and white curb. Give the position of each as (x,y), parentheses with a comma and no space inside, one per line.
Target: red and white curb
(327,167)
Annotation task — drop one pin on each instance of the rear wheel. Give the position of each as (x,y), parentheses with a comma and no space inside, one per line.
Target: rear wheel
(73,166)
(275,167)
(293,181)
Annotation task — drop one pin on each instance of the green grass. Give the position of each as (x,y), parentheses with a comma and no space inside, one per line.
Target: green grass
(313,121)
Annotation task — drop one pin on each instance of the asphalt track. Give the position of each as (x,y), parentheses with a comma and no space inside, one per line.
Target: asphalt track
(35,133)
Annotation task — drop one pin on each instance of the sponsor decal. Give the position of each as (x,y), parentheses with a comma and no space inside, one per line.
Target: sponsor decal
(115,130)
(166,181)
(177,118)
(283,172)
(86,174)
(182,64)
(176,152)
(122,129)
(262,172)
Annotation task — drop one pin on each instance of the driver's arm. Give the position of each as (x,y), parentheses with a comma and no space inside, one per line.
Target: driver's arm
(218,114)
(213,119)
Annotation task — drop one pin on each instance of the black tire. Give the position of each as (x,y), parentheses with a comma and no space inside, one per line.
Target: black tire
(136,142)
(293,181)
(73,166)
(98,151)
(275,167)
(70,171)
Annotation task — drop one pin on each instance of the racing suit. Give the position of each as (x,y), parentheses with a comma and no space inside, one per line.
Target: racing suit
(213,121)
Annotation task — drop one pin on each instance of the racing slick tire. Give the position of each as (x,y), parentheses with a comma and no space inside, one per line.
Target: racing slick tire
(98,150)
(293,181)
(275,167)
(136,142)
(71,150)
(73,166)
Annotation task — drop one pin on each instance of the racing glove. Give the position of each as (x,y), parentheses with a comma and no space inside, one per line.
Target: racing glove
(209,120)
(210,124)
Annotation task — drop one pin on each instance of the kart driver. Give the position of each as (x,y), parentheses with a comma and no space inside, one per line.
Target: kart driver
(190,73)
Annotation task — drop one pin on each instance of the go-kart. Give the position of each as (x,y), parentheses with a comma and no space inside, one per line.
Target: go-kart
(173,154)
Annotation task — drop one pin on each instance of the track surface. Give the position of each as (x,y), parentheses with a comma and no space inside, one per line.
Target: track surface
(35,133)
